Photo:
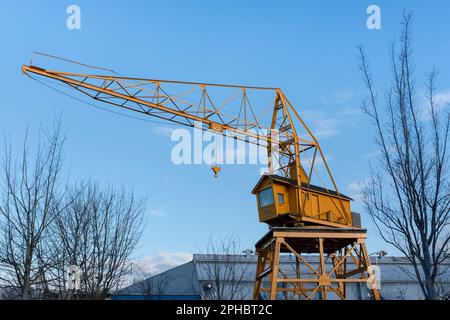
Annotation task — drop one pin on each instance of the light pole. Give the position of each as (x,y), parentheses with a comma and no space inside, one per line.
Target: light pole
(378,255)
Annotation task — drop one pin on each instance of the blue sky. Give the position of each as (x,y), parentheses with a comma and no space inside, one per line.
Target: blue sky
(308,48)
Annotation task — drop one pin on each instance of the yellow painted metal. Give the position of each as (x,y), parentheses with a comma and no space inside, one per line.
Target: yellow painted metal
(319,280)
(296,201)
(215,170)
(319,206)
(151,97)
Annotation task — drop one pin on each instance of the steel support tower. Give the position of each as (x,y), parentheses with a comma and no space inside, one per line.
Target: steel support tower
(342,259)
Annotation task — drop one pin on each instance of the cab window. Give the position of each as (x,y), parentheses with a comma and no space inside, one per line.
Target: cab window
(280,197)
(266,197)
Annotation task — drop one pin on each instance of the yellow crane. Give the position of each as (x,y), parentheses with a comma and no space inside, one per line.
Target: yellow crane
(304,217)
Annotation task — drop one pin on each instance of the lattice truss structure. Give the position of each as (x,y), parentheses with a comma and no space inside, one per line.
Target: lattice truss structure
(342,259)
(258,115)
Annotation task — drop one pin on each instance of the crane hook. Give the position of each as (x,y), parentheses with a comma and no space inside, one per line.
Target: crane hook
(216,170)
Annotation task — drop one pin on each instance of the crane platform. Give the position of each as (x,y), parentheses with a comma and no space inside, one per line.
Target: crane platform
(342,258)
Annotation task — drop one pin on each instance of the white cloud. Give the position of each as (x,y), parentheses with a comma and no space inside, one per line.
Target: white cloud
(442,99)
(162,261)
(350,112)
(326,125)
(371,154)
(354,188)
(323,125)
(165,131)
(158,211)
(318,161)
(337,96)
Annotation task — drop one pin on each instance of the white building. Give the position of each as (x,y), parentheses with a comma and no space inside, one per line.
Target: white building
(210,276)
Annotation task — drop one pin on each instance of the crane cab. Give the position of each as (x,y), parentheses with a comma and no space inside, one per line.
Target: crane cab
(281,201)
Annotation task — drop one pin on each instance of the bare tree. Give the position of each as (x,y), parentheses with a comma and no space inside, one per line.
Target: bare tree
(99,231)
(72,237)
(224,270)
(149,285)
(30,201)
(443,290)
(45,226)
(408,193)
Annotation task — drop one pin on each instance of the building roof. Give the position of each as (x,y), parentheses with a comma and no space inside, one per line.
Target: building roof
(392,268)
(188,279)
(181,281)
(294,183)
